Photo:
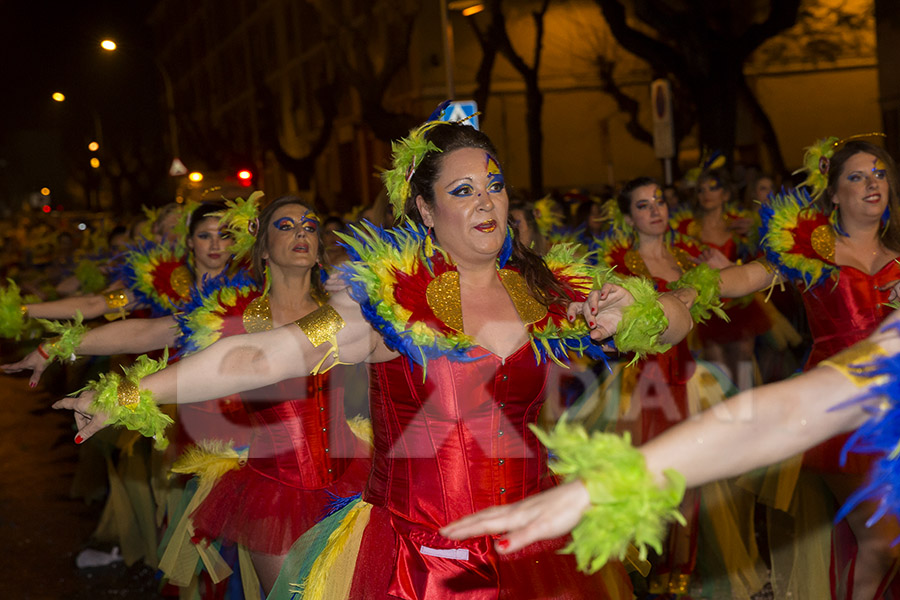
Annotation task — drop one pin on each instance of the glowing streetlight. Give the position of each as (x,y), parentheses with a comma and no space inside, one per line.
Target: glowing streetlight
(59,96)
(110,46)
(45,191)
(95,162)
(93,146)
(196,176)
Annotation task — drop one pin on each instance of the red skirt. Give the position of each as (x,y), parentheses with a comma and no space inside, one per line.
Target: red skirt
(266,515)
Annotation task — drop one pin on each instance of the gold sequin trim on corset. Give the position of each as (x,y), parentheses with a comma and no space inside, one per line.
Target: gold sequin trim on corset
(683,258)
(444,300)
(442,295)
(258,315)
(529,309)
(181,281)
(635,264)
(822,241)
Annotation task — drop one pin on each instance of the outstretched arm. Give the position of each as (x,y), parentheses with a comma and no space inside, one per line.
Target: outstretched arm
(755,428)
(90,307)
(131,336)
(740,280)
(245,362)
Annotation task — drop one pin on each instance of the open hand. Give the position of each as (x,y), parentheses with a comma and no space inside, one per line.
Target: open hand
(88,422)
(32,362)
(544,516)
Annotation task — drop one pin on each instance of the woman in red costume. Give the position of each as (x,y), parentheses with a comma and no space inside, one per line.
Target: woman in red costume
(303,459)
(718,224)
(842,252)
(458,323)
(656,393)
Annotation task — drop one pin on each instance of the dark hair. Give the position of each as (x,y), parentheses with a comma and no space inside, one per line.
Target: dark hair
(452,136)
(539,245)
(750,192)
(333,219)
(891,237)
(623,199)
(721,177)
(203,211)
(317,290)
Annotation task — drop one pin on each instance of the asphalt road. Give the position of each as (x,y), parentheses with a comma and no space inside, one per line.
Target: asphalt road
(42,528)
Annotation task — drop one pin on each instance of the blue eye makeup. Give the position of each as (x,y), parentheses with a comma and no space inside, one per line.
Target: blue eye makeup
(284,224)
(462,190)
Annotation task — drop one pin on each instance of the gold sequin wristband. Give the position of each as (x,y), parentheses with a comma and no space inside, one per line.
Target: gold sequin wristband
(116,300)
(320,326)
(856,363)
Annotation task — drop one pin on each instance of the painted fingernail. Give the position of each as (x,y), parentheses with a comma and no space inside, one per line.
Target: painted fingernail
(593,311)
(78,439)
(31,384)
(571,318)
(503,543)
(590,323)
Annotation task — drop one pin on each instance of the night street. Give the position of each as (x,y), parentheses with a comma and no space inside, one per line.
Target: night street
(43,529)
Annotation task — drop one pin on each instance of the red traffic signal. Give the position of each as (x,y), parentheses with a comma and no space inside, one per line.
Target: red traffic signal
(245,177)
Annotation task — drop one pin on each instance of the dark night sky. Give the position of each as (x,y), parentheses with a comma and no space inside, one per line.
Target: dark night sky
(48,46)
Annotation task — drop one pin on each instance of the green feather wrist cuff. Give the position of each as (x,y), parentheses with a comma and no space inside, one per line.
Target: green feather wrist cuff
(642,322)
(705,280)
(627,505)
(69,336)
(120,397)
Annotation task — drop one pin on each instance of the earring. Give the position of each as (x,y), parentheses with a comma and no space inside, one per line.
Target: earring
(507,248)
(885,220)
(429,244)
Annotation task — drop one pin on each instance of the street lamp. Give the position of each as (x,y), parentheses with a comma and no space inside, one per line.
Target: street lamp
(111,46)
(467,8)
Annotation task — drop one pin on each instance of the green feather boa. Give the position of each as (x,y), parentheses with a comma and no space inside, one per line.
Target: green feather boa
(145,416)
(705,280)
(69,336)
(626,502)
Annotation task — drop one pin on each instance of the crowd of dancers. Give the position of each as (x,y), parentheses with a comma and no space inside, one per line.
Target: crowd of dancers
(302,406)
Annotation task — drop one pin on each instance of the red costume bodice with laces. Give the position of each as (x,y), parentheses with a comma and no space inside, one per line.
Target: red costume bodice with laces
(845,311)
(300,434)
(446,445)
(303,456)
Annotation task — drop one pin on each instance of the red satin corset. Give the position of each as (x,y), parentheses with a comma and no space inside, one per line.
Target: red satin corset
(458,441)
(841,314)
(300,434)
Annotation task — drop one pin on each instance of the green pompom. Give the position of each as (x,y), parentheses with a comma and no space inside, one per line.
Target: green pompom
(90,278)
(145,416)
(12,317)
(69,336)
(705,280)
(627,505)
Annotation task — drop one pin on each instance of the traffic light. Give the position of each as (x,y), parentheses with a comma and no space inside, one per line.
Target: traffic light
(245,176)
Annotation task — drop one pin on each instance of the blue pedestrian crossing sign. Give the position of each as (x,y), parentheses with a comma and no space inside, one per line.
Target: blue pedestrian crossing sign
(461,110)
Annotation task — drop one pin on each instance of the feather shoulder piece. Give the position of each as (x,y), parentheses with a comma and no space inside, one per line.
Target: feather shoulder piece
(798,238)
(158,276)
(414,302)
(218,308)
